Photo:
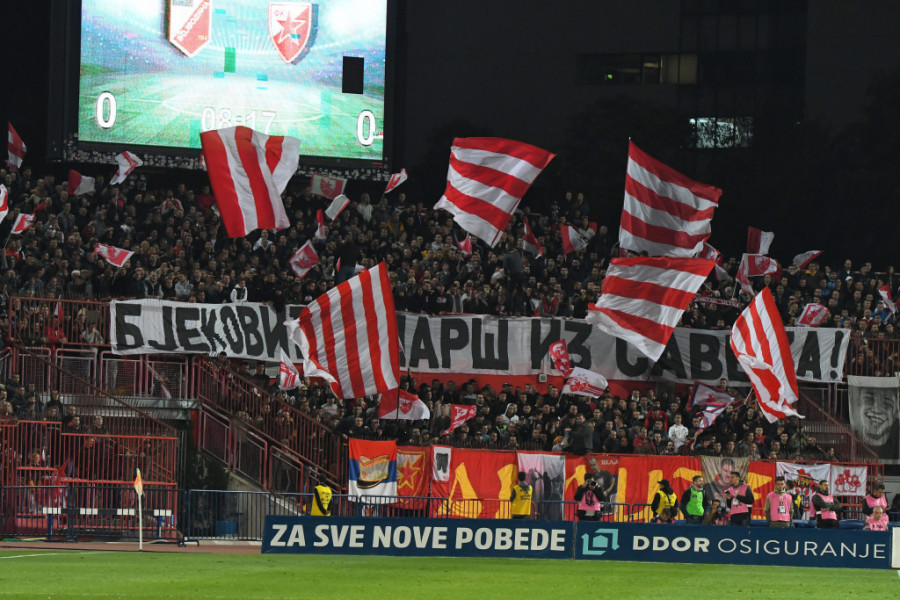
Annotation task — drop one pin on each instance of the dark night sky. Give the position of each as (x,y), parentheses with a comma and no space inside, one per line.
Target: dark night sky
(493,64)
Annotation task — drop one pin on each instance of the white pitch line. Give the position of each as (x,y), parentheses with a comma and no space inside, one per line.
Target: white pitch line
(46,554)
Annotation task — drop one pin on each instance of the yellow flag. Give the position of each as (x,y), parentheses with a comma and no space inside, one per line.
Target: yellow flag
(138,484)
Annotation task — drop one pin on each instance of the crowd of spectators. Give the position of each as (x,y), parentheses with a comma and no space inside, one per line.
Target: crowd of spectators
(182,253)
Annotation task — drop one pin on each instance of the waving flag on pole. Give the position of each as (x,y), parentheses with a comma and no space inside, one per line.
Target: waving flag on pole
(758,241)
(572,240)
(642,299)
(582,382)
(249,171)
(813,315)
(710,253)
(665,213)
(22,223)
(754,265)
(349,337)
(465,246)
(79,185)
(16,148)
(304,259)
(459,414)
(321,231)
(396,179)
(327,187)
(885,292)
(288,375)
(559,352)
(711,400)
(486,181)
(4,201)
(762,349)
(530,242)
(138,484)
(400,404)
(117,257)
(128,162)
(801,260)
(337,206)
(373,470)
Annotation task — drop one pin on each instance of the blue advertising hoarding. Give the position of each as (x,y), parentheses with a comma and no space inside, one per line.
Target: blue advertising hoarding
(734,545)
(418,537)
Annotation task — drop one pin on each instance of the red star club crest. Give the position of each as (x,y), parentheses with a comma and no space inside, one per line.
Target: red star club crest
(290,24)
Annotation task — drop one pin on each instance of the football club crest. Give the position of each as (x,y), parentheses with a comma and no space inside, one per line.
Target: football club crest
(290,24)
(190,25)
(373,470)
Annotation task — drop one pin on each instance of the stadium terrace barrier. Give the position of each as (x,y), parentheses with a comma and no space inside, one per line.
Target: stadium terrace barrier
(35,366)
(30,317)
(582,540)
(255,415)
(74,511)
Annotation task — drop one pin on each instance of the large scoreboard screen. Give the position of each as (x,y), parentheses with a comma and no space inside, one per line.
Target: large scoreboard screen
(160,72)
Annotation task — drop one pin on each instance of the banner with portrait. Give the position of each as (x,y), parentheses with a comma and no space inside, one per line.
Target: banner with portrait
(717,474)
(874,404)
(547,475)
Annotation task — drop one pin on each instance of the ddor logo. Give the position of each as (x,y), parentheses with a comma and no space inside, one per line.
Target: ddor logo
(600,542)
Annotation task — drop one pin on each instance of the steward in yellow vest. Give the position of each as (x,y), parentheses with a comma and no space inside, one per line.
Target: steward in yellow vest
(520,498)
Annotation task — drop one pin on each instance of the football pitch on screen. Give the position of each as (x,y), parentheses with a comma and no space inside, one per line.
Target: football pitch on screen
(31,573)
(172,111)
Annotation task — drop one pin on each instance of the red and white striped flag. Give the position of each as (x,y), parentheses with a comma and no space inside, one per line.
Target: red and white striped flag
(288,376)
(395,180)
(128,162)
(571,239)
(711,401)
(642,299)
(117,257)
(755,265)
(813,315)
(465,246)
(328,187)
(58,311)
(249,171)
(349,337)
(801,260)
(321,231)
(559,352)
(530,242)
(337,206)
(582,382)
(4,201)
(762,349)
(22,223)
(304,259)
(665,213)
(486,181)
(459,414)
(400,404)
(885,292)
(16,148)
(78,184)
(758,241)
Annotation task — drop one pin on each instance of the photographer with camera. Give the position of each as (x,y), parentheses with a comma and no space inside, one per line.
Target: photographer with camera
(590,497)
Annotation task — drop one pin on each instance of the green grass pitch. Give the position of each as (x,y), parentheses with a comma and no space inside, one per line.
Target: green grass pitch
(73,574)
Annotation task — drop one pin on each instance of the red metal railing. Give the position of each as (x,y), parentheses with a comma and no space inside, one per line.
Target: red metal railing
(253,409)
(828,431)
(31,319)
(83,397)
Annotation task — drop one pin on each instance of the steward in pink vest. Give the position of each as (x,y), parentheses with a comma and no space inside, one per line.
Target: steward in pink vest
(877,521)
(876,498)
(779,505)
(740,501)
(824,507)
